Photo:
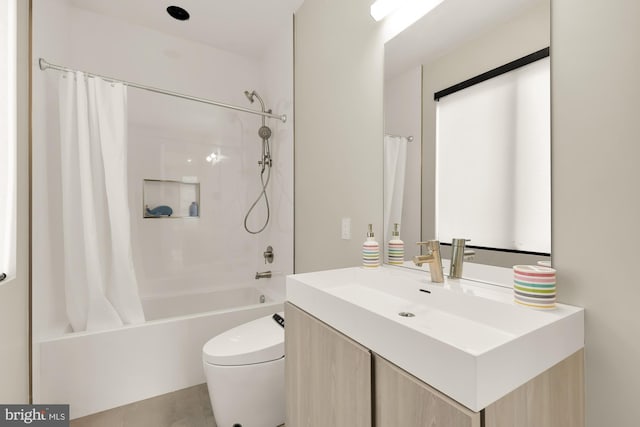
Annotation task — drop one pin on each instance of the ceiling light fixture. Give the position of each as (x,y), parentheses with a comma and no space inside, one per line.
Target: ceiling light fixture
(405,11)
(405,15)
(381,8)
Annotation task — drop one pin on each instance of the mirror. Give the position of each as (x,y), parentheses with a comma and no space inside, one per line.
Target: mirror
(457,41)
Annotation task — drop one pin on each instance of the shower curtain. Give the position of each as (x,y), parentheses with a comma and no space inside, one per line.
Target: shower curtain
(8,198)
(395,164)
(101,290)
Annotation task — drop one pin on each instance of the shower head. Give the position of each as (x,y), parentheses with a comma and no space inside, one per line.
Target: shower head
(264,132)
(250,95)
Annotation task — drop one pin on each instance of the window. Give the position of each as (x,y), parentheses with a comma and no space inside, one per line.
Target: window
(7,137)
(493,178)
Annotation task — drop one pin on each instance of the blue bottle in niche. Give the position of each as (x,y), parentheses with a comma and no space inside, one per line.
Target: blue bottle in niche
(193,209)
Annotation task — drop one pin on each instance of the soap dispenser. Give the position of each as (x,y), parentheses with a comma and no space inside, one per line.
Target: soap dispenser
(370,250)
(395,247)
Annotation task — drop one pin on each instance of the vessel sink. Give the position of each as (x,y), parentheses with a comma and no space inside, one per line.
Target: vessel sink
(467,339)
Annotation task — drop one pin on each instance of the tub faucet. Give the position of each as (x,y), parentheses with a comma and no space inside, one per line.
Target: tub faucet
(263,274)
(433,258)
(458,255)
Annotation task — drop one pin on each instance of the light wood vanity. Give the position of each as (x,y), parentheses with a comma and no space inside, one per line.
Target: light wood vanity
(327,375)
(333,381)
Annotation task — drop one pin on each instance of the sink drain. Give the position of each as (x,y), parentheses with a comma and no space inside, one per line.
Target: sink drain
(406,314)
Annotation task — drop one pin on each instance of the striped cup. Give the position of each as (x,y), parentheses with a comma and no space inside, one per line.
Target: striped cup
(534,286)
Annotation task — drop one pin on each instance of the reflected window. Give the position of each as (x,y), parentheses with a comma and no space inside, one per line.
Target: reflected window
(498,194)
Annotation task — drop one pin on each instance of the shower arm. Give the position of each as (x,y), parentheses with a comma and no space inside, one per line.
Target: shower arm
(253,94)
(44,65)
(261,106)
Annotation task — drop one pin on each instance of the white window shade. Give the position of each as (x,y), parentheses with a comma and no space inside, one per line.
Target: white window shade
(493,173)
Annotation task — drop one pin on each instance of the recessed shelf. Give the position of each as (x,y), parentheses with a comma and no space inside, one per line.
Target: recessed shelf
(170,199)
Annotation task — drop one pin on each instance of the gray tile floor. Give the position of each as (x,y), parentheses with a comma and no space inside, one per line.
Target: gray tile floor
(189,407)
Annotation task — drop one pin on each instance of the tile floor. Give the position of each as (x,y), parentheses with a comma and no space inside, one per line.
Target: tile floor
(189,407)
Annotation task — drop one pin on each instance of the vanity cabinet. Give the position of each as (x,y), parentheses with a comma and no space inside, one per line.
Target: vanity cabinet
(332,380)
(555,398)
(403,400)
(327,375)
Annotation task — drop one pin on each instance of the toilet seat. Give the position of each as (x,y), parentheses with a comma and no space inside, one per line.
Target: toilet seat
(259,341)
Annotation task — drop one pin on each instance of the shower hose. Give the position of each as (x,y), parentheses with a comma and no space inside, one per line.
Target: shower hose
(266,165)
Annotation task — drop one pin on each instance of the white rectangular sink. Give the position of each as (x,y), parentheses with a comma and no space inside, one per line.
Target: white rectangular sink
(466,339)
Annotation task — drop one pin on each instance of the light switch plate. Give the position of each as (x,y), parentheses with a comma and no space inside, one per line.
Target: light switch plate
(346,228)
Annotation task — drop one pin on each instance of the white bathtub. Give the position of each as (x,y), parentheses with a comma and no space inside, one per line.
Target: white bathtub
(97,371)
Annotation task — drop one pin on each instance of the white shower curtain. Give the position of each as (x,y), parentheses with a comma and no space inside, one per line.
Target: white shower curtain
(100,284)
(395,164)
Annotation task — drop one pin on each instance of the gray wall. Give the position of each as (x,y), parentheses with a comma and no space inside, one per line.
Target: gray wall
(14,295)
(595,59)
(595,72)
(338,132)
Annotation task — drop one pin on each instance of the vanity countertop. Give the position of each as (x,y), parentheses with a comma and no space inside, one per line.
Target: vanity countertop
(468,339)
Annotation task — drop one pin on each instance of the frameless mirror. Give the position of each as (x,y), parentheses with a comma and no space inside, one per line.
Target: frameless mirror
(444,163)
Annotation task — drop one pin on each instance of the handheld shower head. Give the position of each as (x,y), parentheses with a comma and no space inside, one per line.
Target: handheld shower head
(264,132)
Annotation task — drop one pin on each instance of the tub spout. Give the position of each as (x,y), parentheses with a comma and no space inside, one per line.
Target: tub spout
(263,274)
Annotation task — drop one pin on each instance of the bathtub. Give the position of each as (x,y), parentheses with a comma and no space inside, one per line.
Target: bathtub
(96,371)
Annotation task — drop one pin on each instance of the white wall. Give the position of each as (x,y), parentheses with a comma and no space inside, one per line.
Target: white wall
(403,116)
(338,133)
(14,295)
(595,60)
(171,256)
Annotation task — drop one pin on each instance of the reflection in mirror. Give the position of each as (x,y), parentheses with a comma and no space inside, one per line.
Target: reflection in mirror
(402,158)
(457,41)
(498,193)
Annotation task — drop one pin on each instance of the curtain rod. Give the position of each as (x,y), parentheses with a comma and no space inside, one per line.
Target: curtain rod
(44,65)
(409,138)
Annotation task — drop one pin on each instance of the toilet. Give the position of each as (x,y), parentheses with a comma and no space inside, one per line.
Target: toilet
(244,367)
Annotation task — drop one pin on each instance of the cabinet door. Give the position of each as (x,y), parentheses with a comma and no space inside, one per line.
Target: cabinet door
(403,400)
(555,398)
(328,376)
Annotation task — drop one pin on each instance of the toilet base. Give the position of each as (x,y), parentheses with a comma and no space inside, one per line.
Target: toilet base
(248,395)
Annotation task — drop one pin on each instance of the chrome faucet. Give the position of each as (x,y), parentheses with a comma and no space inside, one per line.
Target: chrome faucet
(263,274)
(433,258)
(458,255)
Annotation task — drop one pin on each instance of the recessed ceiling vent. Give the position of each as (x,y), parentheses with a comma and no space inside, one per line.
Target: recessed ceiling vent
(178,13)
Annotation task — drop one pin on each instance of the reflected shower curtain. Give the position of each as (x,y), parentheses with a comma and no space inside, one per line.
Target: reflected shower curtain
(100,284)
(395,164)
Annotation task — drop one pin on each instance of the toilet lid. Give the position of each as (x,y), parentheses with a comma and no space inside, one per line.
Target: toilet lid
(258,341)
